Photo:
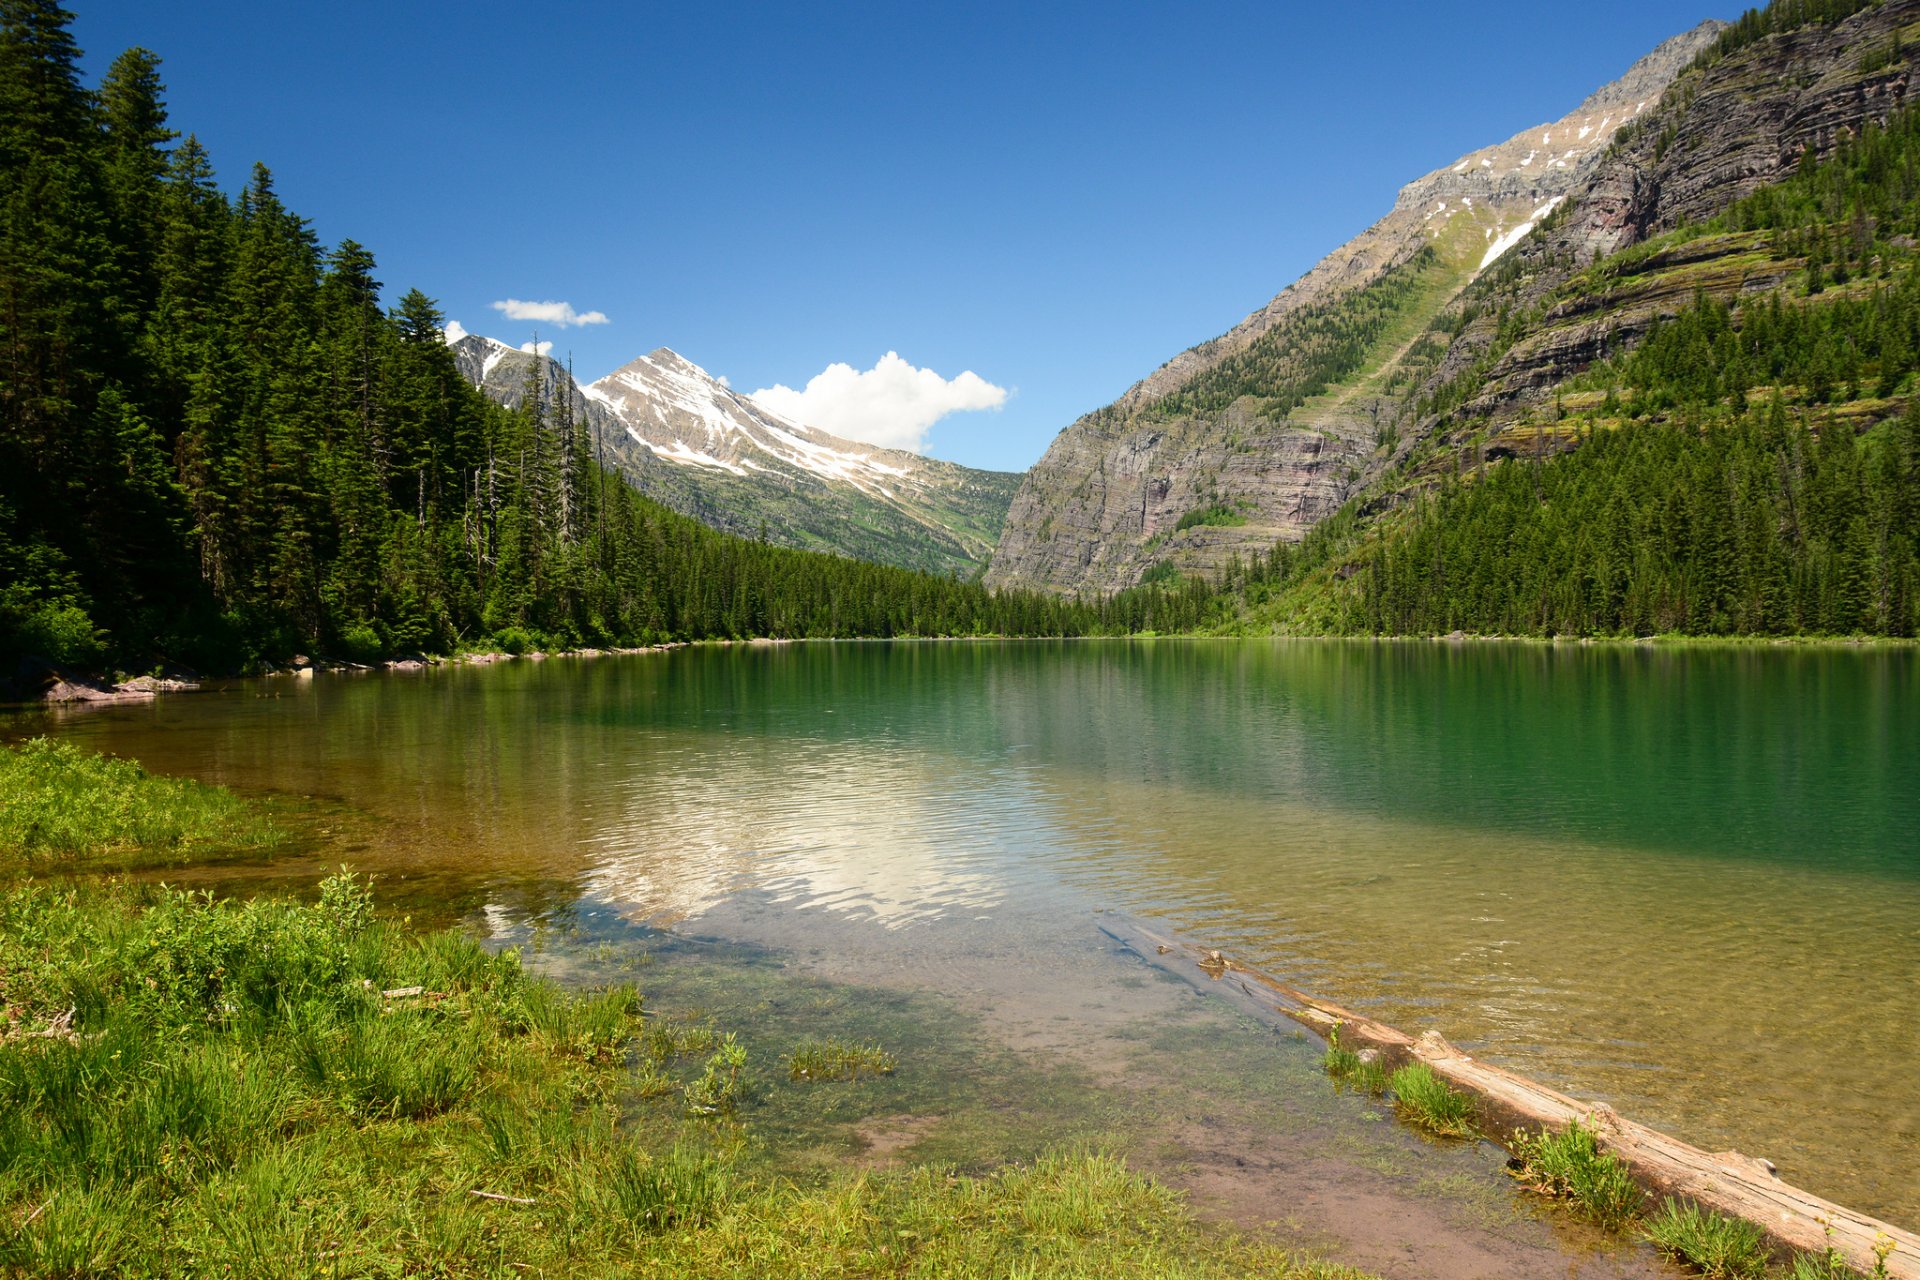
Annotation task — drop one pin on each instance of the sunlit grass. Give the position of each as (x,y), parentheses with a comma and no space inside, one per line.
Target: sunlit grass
(61,807)
(1359,1071)
(1570,1165)
(1432,1104)
(1716,1246)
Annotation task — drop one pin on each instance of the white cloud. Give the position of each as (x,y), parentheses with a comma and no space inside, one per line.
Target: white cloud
(453,332)
(536,348)
(892,404)
(558,314)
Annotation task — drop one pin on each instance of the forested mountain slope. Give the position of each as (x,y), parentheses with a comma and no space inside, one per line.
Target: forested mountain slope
(1687,402)
(687,440)
(216,445)
(1260,434)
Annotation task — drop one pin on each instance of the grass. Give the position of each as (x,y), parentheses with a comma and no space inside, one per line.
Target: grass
(1361,1073)
(191,1086)
(1828,1265)
(66,809)
(1570,1166)
(260,1079)
(838,1060)
(1430,1103)
(1718,1247)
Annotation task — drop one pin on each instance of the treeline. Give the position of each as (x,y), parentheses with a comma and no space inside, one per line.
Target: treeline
(216,445)
(1711,354)
(1759,525)
(1308,351)
(1781,15)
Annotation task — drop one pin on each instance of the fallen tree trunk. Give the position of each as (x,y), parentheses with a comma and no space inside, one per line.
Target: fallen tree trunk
(1726,1181)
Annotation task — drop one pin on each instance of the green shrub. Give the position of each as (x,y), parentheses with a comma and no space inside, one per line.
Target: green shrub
(1218,514)
(362,643)
(514,640)
(58,631)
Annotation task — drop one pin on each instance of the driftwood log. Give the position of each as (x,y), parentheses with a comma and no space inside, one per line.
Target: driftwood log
(1726,1181)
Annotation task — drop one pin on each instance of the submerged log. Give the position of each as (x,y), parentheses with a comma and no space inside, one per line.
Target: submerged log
(1728,1181)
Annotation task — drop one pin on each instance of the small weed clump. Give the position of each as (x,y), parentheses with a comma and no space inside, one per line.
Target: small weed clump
(61,807)
(817,1060)
(1571,1166)
(719,1088)
(1826,1265)
(1718,1247)
(1363,1074)
(1431,1103)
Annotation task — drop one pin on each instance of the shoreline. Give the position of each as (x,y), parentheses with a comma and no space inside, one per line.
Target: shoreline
(61,686)
(1793,1221)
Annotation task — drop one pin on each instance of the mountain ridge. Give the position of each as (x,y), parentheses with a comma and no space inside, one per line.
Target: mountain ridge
(1127,490)
(688,440)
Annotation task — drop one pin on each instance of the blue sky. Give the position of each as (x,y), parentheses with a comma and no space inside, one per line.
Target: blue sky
(1054,197)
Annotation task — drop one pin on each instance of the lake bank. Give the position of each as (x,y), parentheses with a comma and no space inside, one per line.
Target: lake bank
(273,1088)
(1468,837)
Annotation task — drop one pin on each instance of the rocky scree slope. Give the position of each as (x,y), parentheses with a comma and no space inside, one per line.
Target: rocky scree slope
(685,439)
(1259,434)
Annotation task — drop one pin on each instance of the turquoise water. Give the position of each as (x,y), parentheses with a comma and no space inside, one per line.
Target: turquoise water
(1685,881)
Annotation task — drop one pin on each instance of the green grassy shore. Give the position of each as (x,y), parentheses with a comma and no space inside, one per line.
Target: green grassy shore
(192,1086)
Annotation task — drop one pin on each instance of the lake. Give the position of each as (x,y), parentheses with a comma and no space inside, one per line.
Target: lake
(1685,881)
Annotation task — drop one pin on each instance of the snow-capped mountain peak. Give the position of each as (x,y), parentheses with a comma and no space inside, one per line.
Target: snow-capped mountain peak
(685,437)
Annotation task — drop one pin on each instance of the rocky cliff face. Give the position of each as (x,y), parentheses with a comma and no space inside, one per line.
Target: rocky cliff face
(1257,435)
(687,440)
(1722,131)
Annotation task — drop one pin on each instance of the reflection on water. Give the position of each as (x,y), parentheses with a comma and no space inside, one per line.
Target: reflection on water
(877,832)
(1685,881)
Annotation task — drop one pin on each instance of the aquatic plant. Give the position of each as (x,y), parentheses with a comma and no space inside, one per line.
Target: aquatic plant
(1428,1101)
(718,1088)
(1569,1165)
(1718,1247)
(1356,1070)
(816,1060)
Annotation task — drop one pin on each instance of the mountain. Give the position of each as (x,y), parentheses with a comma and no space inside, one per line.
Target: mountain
(687,440)
(1687,400)
(1259,434)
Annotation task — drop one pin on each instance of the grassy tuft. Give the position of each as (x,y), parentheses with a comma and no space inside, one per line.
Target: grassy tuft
(816,1060)
(1429,1102)
(61,807)
(1826,1265)
(1718,1247)
(1352,1070)
(1570,1166)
